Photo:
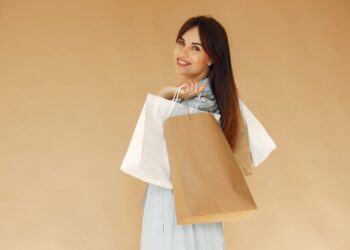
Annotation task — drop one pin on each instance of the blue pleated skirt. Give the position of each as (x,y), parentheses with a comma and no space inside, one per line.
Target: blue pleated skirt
(160,231)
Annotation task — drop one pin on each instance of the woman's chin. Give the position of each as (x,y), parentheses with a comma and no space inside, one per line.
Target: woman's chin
(182,72)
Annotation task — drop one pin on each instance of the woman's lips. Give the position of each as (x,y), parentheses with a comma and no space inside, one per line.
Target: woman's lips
(182,63)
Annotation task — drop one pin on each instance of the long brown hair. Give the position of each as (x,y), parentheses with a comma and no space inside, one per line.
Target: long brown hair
(215,43)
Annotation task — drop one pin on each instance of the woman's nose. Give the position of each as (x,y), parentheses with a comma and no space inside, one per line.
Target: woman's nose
(184,52)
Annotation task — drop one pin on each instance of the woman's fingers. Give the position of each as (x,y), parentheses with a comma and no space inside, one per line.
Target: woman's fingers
(202,88)
(194,86)
(185,86)
(190,88)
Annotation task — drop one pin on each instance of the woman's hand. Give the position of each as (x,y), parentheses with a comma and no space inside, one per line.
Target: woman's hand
(188,90)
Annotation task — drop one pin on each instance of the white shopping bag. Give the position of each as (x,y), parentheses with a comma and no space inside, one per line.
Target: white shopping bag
(260,142)
(146,157)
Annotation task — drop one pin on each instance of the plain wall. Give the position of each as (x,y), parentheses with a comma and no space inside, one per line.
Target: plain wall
(74,76)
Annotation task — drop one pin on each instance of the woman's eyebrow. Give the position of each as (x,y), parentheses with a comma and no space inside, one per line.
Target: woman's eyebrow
(198,44)
(181,38)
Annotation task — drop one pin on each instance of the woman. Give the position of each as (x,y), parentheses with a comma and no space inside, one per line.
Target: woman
(202,60)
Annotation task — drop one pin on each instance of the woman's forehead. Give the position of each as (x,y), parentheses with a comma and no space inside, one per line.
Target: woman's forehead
(192,35)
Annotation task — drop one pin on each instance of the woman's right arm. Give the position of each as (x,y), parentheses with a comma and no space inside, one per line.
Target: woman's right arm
(167,92)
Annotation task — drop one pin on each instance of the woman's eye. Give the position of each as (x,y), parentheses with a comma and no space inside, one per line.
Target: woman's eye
(181,42)
(196,48)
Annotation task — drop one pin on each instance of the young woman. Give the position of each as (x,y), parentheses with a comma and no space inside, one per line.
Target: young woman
(202,60)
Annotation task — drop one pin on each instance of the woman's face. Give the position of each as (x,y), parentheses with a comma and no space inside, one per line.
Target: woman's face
(191,61)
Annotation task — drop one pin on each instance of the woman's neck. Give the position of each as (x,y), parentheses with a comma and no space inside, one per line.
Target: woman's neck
(197,78)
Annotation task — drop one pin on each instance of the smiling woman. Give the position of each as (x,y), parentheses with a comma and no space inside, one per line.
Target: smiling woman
(191,60)
(202,61)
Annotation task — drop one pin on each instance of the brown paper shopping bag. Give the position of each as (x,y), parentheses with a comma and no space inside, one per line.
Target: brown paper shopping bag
(208,184)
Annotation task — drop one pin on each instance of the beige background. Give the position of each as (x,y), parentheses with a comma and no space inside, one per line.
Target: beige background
(74,76)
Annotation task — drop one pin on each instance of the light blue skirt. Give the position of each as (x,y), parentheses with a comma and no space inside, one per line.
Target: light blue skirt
(160,231)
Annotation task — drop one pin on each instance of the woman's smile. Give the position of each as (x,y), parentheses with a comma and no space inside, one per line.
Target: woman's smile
(183,63)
